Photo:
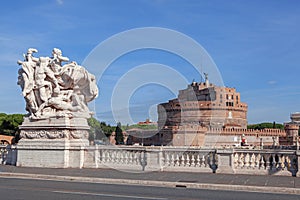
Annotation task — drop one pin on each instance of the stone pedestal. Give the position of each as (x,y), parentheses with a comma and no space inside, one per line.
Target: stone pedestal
(225,161)
(53,142)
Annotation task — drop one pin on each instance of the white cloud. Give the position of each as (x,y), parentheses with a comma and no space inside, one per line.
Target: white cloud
(272,82)
(60,2)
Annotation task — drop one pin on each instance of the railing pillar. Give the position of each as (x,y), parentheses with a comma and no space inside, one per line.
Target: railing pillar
(153,160)
(225,161)
(10,157)
(298,163)
(161,159)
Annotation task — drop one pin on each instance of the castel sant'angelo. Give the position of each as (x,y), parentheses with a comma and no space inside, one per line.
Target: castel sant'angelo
(204,114)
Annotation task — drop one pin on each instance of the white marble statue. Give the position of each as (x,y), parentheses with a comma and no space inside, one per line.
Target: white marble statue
(52,89)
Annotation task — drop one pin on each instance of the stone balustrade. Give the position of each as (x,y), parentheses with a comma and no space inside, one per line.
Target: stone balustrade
(240,161)
(247,132)
(114,157)
(265,162)
(188,160)
(192,159)
(151,158)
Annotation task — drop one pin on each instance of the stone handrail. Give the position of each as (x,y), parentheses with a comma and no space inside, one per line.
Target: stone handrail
(245,161)
(265,161)
(190,159)
(153,158)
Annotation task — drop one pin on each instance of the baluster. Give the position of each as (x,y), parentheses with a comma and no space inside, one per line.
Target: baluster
(97,157)
(110,155)
(172,159)
(204,160)
(192,160)
(282,162)
(104,156)
(177,159)
(122,156)
(252,161)
(268,157)
(181,160)
(262,163)
(247,160)
(121,153)
(236,160)
(126,157)
(272,162)
(277,161)
(257,161)
(136,157)
(187,161)
(241,160)
(119,160)
(167,159)
(198,160)
(130,156)
(115,156)
(288,160)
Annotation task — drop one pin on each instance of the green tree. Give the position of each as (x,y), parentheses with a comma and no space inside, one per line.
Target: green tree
(107,129)
(265,125)
(94,128)
(99,130)
(119,134)
(9,123)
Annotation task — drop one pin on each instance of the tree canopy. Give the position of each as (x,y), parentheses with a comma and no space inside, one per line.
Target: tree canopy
(265,125)
(140,126)
(99,130)
(119,134)
(9,123)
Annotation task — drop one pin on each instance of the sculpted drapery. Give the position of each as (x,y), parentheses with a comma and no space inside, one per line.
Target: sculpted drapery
(53,89)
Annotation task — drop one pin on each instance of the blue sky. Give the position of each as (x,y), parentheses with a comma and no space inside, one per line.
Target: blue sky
(255,45)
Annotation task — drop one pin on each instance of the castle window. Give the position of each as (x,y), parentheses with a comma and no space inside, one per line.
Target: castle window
(229,104)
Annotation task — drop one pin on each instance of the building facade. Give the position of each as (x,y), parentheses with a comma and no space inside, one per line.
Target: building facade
(204,114)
